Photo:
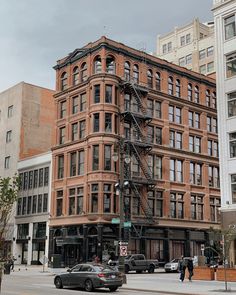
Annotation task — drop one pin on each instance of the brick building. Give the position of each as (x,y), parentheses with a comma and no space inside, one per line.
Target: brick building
(167,117)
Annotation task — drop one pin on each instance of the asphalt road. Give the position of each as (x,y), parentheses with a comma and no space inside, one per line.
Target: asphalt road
(23,284)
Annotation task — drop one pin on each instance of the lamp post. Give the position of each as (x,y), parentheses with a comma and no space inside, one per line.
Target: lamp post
(120,187)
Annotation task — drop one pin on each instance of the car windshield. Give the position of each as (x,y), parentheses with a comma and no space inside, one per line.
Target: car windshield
(128,256)
(175,260)
(102,268)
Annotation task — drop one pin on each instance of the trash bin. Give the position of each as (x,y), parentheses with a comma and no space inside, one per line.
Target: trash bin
(56,261)
(7,268)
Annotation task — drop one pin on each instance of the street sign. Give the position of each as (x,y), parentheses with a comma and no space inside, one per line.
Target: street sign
(202,247)
(115,243)
(123,251)
(43,259)
(127,224)
(115,220)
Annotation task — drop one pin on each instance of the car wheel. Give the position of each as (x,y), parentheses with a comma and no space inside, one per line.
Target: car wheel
(113,289)
(88,285)
(126,268)
(151,269)
(58,283)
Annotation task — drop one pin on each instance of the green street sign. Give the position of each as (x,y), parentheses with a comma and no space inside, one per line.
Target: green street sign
(115,220)
(127,224)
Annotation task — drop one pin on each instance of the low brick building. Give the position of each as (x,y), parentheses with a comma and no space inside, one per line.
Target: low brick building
(165,115)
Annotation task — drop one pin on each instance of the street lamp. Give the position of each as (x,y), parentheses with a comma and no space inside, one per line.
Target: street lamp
(120,187)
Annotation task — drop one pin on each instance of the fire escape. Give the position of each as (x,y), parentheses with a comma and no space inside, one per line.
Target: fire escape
(137,145)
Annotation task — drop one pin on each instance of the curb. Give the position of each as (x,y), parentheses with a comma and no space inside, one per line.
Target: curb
(159,292)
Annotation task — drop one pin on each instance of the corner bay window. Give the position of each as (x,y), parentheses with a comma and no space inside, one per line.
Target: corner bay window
(95,164)
(94,198)
(107,198)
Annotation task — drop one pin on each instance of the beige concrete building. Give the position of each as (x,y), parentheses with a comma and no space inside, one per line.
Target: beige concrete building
(26,128)
(190,46)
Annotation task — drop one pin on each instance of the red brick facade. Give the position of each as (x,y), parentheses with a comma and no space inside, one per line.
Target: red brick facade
(84,201)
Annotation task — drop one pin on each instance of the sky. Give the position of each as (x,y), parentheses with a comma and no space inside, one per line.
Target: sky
(34,34)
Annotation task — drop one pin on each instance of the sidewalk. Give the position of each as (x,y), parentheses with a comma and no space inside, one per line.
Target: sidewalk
(161,282)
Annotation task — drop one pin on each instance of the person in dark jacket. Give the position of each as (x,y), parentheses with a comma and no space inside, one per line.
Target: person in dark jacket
(190,268)
(182,268)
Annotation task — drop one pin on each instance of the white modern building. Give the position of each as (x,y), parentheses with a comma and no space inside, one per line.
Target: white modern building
(225,35)
(190,46)
(31,232)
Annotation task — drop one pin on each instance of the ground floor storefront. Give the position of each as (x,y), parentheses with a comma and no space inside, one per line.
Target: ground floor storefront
(72,244)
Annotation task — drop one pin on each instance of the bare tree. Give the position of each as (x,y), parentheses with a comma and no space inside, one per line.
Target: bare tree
(8,195)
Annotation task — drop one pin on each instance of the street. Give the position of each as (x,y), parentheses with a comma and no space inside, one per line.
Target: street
(33,281)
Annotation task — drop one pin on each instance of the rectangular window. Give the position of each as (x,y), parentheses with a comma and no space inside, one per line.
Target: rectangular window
(34,205)
(107,198)
(164,49)
(232,144)
(62,133)
(83,102)
(182,40)
(157,109)
(150,134)
(230,29)
(169,46)
(75,103)
(79,200)
(24,206)
(31,180)
(175,114)
(8,136)
(213,176)
(197,207)
(73,160)
(150,107)
(107,157)
(176,170)
(7,162)
(210,67)
(60,171)
(40,203)
(188,59)
(45,203)
(203,69)
(108,122)
(62,109)
(195,173)
(97,93)
(215,209)
(71,206)
(95,163)
(94,198)
(182,61)
(81,163)
(40,177)
(159,204)
(231,65)
(233,188)
(96,122)
(108,95)
(231,104)
(46,176)
(36,178)
(82,129)
(10,111)
(210,51)
(194,144)
(202,54)
(175,139)
(176,205)
(158,135)
(29,205)
(25,181)
(59,204)
(188,38)
(74,131)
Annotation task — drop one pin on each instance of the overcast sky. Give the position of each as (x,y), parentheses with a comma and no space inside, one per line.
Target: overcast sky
(34,34)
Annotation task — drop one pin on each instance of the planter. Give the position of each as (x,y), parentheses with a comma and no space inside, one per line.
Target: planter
(230,274)
(202,273)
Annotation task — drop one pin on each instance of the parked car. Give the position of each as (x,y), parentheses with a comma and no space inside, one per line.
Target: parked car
(89,277)
(172,266)
(139,263)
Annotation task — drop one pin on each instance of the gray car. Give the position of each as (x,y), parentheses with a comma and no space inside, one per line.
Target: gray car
(89,277)
(172,266)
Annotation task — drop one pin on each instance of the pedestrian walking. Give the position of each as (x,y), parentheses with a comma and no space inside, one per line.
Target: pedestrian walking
(182,268)
(190,269)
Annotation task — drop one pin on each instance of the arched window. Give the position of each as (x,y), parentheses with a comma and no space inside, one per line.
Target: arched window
(127,71)
(208,98)
(97,65)
(213,100)
(177,88)
(110,65)
(75,76)
(84,72)
(158,81)
(136,74)
(170,86)
(196,94)
(190,92)
(149,79)
(63,81)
